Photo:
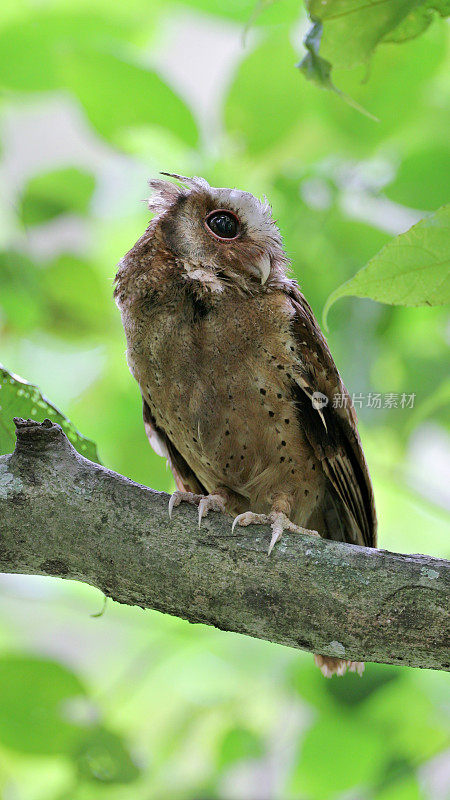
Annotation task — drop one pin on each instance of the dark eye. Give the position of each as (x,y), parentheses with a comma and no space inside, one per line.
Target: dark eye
(223,224)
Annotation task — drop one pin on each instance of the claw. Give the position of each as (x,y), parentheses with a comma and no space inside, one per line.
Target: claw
(178,497)
(249,518)
(210,502)
(277,519)
(277,532)
(237,521)
(202,511)
(174,501)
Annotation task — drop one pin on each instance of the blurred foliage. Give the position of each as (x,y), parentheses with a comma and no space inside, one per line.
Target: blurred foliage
(55,716)
(45,730)
(18,398)
(60,191)
(133,705)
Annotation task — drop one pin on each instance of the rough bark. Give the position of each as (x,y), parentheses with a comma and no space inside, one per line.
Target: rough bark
(64,516)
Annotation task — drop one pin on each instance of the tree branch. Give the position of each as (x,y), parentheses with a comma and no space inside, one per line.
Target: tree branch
(65,516)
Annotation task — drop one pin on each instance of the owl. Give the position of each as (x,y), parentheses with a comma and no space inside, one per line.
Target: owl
(240,391)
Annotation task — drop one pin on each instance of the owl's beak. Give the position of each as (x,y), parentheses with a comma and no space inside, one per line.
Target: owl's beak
(264,265)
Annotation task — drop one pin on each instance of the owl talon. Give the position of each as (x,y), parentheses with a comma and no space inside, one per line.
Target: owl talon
(205,503)
(172,503)
(277,533)
(212,502)
(278,521)
(202,512)
(249,518)
(183,497)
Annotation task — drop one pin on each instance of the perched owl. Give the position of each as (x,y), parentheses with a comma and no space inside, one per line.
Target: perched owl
(237,380)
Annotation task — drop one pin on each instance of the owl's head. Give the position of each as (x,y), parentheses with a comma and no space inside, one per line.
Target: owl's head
(227,231)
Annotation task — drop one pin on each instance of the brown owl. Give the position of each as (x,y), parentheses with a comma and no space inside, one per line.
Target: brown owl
(237,380)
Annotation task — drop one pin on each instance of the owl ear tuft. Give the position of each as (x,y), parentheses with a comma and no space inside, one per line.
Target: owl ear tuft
(195,183)
(164,195)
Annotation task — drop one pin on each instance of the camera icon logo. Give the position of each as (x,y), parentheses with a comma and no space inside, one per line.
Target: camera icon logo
(319,400)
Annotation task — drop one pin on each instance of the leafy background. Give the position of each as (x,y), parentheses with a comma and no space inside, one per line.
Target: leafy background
(97,96)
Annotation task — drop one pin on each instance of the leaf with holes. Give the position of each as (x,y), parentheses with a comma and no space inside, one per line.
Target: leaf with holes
(18,398)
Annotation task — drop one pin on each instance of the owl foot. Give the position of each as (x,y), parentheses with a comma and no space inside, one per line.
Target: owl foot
(205,503)
(337,666)
(278,521)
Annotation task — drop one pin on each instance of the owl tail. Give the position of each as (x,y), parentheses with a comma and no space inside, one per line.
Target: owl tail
(337,666)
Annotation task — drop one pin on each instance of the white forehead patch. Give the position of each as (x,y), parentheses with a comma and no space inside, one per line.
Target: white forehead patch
(255,214)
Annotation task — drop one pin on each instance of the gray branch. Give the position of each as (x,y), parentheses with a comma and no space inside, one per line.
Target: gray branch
(64,516)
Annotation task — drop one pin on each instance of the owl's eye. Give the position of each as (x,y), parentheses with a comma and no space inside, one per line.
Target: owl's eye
(223,224)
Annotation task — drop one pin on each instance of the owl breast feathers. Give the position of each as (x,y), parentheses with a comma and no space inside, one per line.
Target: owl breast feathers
(230,362)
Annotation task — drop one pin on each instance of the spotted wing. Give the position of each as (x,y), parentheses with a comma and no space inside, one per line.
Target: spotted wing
(330,424)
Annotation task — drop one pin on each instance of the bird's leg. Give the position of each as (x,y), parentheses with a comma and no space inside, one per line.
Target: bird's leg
(216,501)
(337,666)
(278,519)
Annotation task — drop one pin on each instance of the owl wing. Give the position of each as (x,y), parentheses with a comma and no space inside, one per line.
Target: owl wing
(185,478)
(331,431)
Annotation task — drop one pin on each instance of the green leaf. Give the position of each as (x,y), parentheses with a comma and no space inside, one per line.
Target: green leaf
(391,712)
(422,178)
(318,69)
(411,270)
(18,398)
(77,298)
(348,32)
(35,697)
(405,106)
(238,10)
(438,399)
(354,750)
(352,30)
(26,59)
(337,694)
(253,12)
(118,94)
(418,20)
(350,693)
(30,47)
(60,191)
(402,785)
(264,104)
(67,296)
(103,758)
(21,296)
(89,55)
(239,744)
